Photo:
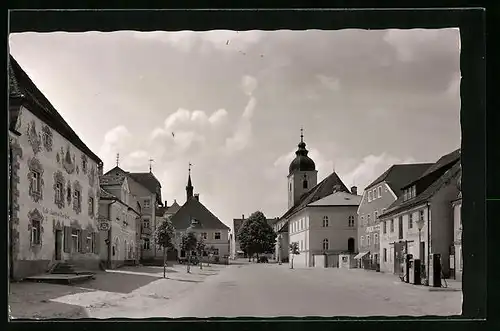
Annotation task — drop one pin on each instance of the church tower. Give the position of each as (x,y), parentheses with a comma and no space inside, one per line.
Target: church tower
(189,186)
(302,173)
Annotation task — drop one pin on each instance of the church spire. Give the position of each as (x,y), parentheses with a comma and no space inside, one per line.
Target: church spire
(189,186)
(302,145)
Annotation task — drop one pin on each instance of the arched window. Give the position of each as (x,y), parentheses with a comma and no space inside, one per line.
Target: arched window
(304,183)
(362,240)
(351,221)
(325,221)
(325,244)
(368,240)
(290,187)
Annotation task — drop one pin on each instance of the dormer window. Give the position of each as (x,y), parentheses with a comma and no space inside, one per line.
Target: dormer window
(147,203)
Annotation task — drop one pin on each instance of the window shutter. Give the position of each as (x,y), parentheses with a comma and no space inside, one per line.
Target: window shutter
(67,239)
(83,240)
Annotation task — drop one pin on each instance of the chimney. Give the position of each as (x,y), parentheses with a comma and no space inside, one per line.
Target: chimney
(354,190)
(165,205)
(197,196)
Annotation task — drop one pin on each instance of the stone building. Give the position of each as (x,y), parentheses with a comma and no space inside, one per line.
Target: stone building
(54,185)
(320,217)
(214,233)
(420,222)
(119,222)
(147,190)
(379,195)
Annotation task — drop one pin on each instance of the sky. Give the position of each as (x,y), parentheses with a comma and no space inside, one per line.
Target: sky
(232,103)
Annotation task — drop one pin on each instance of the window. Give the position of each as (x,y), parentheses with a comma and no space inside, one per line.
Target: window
(362,240)
(290,187)
(302,224)
(405,195)
(368,242)
(375,238)
(91,206)
(145,224)
(84,164)
(304,183)
(384,227)
(88,243)
(204,235)
(301,245)
(369,196)
(146,243)
(217,235)
(325,244)
(351,221)
(75,242)
(35,232)
(375,215)
(410,221)
(76,198)
(35,181)
(215,251)
(421,215)
(59,192)
(379,189)
(325,221)
(385,254)
(392,225)
(146,203)
(368,219)
(362,220)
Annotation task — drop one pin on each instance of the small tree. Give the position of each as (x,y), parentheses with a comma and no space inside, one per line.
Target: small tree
(256,236)
(210,252)
(294,250)
(164,237)
(188,244)
(200,248)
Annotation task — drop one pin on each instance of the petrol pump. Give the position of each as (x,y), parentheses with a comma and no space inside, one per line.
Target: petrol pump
(408,267)
(435,270)
(415,272)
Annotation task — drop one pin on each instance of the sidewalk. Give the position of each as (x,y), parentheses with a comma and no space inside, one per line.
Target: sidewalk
(132,292)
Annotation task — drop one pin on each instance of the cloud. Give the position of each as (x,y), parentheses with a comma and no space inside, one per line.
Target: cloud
(330,83)
(370,168)
(218,117)
(116,140)
(249,84)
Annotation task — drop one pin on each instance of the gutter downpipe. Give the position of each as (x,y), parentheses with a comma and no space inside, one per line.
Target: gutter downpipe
(428,239)
(110,244)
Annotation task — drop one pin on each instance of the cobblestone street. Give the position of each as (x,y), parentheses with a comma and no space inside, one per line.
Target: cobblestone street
(238,290)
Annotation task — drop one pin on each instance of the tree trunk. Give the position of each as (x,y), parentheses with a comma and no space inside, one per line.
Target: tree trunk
(201,263)
(292,263)
(164,263)
(188,263)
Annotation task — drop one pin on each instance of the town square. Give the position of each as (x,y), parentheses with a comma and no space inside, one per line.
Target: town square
(235,174)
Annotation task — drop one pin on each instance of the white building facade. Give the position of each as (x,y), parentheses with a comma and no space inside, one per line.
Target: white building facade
(54,186)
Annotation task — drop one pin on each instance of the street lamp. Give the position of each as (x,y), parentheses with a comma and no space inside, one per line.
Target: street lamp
(420,224)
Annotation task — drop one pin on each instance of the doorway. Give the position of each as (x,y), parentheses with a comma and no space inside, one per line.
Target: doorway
(58,243)
(350,245)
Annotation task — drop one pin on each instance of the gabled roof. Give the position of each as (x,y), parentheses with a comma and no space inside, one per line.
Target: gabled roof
(426,195)
(105,194)
(173,208)
(444,161)
(399,175)
(338,199)
(22,88)
(111,179)
(193,209)
(321,190)
(147,179)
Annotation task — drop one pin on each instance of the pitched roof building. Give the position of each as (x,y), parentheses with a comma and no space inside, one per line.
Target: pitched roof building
(420,221)
(209,226)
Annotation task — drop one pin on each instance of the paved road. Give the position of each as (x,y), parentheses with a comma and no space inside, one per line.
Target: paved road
(270,290)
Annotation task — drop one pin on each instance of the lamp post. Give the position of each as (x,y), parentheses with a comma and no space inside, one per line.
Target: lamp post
(420,225)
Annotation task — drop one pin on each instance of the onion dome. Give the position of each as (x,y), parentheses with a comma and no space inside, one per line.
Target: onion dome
(302,162)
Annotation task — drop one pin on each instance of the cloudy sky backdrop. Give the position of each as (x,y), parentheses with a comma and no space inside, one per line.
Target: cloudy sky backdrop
(236,101)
